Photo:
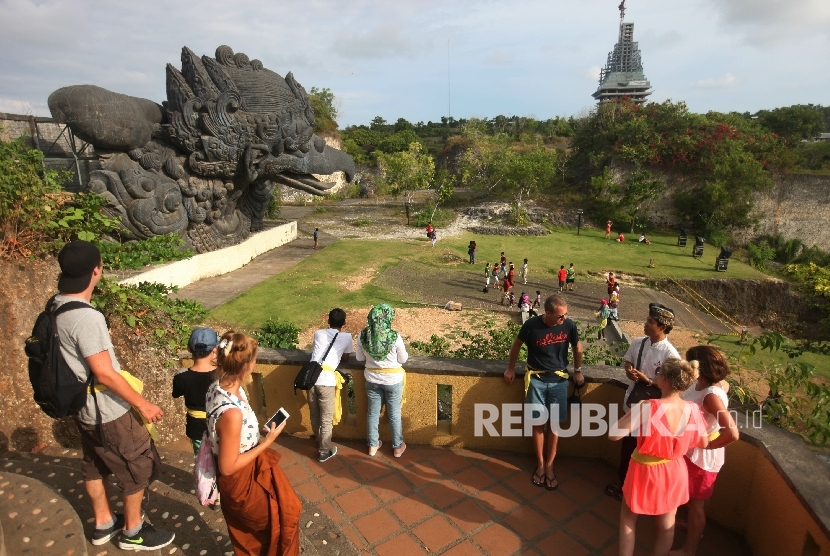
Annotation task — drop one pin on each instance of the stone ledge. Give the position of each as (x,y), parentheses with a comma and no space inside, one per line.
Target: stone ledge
(215,263)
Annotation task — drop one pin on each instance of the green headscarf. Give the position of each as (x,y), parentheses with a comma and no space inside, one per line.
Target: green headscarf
(378,338)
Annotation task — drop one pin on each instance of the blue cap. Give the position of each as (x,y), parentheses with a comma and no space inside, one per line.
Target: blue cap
(202,340)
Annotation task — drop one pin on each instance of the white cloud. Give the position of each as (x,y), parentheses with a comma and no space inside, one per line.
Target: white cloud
(10,106)
(592,73)
(384,41)
(726,82)
(765,23)
(499,58)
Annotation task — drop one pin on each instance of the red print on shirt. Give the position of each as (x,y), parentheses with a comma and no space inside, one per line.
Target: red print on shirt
(551,338)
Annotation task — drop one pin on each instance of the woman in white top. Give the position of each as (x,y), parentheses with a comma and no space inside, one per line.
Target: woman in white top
(262,516)
(384,352)
(703,464)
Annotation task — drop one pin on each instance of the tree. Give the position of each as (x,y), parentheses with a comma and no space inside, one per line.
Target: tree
(406,172)
(794,122)
(322,101)
(641,189)
(377,123)
(402,125)
(398,141)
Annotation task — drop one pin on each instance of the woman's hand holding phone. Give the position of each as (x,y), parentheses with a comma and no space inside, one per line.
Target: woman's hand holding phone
(273,432)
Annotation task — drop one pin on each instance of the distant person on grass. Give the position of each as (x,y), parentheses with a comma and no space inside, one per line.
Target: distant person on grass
(487,272)
(511,274)
(563,275)
(506,285)
(570,277)
(113,437)
(324,400)
(524,272)
(316,236)
(621,237)
(547,338)
(384,352)
(496,272)
(644,239)
(608,230)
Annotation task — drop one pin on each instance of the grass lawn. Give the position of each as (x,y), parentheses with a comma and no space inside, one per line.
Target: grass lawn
(313,286)
(764,358)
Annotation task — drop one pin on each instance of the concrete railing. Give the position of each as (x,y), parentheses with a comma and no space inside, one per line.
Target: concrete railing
(773,490)
(215,263)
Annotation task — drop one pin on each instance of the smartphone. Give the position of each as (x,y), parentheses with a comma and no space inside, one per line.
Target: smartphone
(278,419)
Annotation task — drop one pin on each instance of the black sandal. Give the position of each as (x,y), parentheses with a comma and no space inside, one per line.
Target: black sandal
(538,479)
(614,490)
(549,481)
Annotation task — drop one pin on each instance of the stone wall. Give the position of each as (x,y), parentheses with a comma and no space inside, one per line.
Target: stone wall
(768,303)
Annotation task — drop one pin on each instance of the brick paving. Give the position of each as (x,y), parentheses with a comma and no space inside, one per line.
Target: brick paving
(463,502)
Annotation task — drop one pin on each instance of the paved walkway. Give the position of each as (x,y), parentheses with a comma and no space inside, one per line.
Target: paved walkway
(464,502)
(430,501)
(215,291)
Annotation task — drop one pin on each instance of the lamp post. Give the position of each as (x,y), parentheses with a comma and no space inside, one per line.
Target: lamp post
(579,220)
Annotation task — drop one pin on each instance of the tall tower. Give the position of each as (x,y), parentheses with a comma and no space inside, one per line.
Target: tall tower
(623,74)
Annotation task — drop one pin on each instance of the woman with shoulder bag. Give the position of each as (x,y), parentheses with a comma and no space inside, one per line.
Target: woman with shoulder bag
(260,506)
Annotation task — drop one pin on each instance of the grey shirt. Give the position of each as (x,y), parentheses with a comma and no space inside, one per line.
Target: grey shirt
(83,332)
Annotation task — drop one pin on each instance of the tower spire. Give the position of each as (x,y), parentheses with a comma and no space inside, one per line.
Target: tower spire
(623,74)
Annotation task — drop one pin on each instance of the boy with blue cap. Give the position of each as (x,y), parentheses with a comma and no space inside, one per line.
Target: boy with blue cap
(193,383)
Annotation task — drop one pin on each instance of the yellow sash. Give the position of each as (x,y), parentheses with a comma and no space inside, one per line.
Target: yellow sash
(393,371)
(530,372)
(338,400)
(196,414)
(714,435)
(646,459)
(138,386)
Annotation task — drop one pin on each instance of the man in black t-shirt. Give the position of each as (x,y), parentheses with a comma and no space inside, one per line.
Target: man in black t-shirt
(547,338)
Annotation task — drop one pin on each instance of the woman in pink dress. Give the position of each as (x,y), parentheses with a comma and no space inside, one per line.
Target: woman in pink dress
(657,482)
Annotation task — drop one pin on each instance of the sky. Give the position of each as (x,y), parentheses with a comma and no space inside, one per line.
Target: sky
(424,59)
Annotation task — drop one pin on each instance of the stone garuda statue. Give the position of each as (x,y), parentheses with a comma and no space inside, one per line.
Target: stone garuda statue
(205,164)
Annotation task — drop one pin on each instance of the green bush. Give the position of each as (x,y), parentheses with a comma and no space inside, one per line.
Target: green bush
(149,310)
(278,334)
(135,254)
(760,254)
(441,217)
(30,199)
(814,255)
(275,204)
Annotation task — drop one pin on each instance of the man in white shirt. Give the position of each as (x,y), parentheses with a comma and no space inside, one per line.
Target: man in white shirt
(643,359)
(323,395)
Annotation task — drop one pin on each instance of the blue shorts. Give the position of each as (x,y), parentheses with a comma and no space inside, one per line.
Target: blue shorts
(548,393)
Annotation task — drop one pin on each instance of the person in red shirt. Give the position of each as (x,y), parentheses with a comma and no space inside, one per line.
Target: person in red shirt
(563,274)
(506,285)
(621,237)
(510,274)
(608,230)
(611,282)
(429,229)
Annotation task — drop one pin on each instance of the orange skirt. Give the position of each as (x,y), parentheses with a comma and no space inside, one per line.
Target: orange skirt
(261,508)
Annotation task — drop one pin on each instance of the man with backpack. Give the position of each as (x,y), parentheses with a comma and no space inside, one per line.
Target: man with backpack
(330,347)
(113,437)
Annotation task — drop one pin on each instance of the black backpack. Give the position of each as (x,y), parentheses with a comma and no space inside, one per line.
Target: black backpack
(310,372)
(57,389)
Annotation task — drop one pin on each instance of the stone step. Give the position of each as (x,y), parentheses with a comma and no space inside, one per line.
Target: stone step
(199,530)
(172,502)
(36,519)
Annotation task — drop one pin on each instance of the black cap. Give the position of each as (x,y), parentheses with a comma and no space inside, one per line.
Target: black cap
(77,260)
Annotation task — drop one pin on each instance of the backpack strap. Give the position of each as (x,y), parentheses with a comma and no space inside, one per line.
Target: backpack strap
(329,348)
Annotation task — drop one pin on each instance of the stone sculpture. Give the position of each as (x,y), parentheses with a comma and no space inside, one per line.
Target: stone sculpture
(206,163)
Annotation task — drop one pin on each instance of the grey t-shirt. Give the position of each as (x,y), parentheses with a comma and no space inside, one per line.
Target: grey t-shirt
(83,332)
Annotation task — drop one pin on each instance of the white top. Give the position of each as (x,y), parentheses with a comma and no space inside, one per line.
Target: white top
(708,460)
(396,357)
(322,339)
(652,360)
(215,398)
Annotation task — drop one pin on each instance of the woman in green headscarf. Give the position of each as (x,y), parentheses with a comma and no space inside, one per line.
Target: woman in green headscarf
(384,352)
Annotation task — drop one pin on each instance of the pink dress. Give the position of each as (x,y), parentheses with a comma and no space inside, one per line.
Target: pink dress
(658,488)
